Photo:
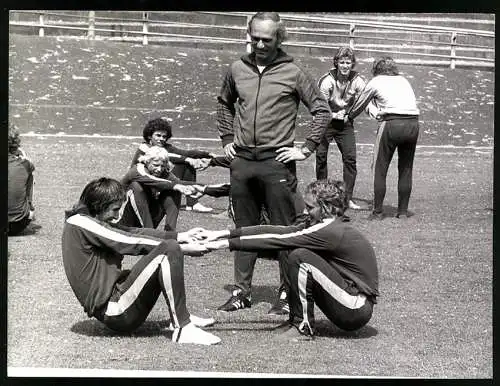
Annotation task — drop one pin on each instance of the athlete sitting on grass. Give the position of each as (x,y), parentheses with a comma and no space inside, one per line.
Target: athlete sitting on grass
(157,132)
(330,264)
(93,249)
(20,185)
(153,191)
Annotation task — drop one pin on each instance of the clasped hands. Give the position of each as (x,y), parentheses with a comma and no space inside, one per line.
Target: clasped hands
(198,241)
(199,163)
(194,191)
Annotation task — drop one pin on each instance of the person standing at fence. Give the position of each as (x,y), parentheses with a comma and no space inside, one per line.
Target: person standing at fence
(340,86)
(256,118)
(20,185)
(398,115)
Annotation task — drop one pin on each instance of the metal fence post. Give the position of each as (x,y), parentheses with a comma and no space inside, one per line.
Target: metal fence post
(41,31)
(453,50)
(91,33)
(249,40)
(352,27)
(145,19)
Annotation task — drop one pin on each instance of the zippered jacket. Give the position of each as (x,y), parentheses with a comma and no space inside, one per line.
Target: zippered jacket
(338,98)
(93,251)
(342,246)
(258,111)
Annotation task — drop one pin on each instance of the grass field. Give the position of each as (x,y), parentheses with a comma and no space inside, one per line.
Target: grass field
(434,316)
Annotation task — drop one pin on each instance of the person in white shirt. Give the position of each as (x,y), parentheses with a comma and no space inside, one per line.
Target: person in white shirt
(395,107)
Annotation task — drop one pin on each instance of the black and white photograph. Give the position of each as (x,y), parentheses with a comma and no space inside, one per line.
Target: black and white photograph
(250,194)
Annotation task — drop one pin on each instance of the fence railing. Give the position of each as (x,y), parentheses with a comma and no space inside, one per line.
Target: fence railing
(410,43)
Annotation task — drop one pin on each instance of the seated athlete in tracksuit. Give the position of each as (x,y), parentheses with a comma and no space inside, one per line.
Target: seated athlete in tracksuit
(330,263)
(93,249)
(153,191)
(158,132)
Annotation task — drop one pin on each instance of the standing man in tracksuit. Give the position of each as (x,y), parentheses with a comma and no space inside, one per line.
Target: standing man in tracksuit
(256,117)
(340,86)
(398,114)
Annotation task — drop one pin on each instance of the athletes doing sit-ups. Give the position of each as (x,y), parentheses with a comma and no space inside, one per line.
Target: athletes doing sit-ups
(153,191)
(158,132)
(330,263)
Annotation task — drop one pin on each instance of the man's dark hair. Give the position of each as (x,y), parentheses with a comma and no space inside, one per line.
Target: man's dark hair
(384,66)
(281,33)
(14,141)
(157,124)
(100,193)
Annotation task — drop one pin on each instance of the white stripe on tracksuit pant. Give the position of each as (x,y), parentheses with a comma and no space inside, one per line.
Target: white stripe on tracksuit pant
(314,281)
(136,292)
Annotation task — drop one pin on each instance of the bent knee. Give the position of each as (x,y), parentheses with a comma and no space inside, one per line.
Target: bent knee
(296,255)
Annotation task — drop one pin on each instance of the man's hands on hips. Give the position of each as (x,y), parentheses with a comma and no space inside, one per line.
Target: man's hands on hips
(287,154)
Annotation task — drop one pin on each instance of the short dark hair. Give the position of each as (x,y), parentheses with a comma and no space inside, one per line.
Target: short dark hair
(330,194)
(14,140)
(157,124)
(100,193)
(342,52)
(384,66)
(281,33)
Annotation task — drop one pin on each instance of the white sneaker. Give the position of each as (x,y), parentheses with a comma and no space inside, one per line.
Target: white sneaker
(195,335)
(197,321)
(199,208)
(354,206)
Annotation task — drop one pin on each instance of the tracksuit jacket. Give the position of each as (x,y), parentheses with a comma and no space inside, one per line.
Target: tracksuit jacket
(340,99)
(342,246)
(175,155)
(266,105)
(93,252)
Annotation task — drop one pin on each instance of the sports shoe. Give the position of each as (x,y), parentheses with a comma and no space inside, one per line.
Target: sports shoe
(195,335)
(405,214)
(291,332)
(281,307)
(376,216)
(236,302)
(199,208)
(197,321)
(353,205)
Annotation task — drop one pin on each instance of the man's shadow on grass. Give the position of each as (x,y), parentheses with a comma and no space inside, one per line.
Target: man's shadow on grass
(30,230)
(260,293)
(92,327)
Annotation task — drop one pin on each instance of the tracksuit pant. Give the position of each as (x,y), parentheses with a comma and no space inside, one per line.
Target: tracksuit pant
(255,183)
(314,281)
(346,142)
(401,133)
(137,290)
(186,172)
(143,209)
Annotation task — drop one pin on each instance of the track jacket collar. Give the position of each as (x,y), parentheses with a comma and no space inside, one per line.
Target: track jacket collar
(353,74)
(282,57)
